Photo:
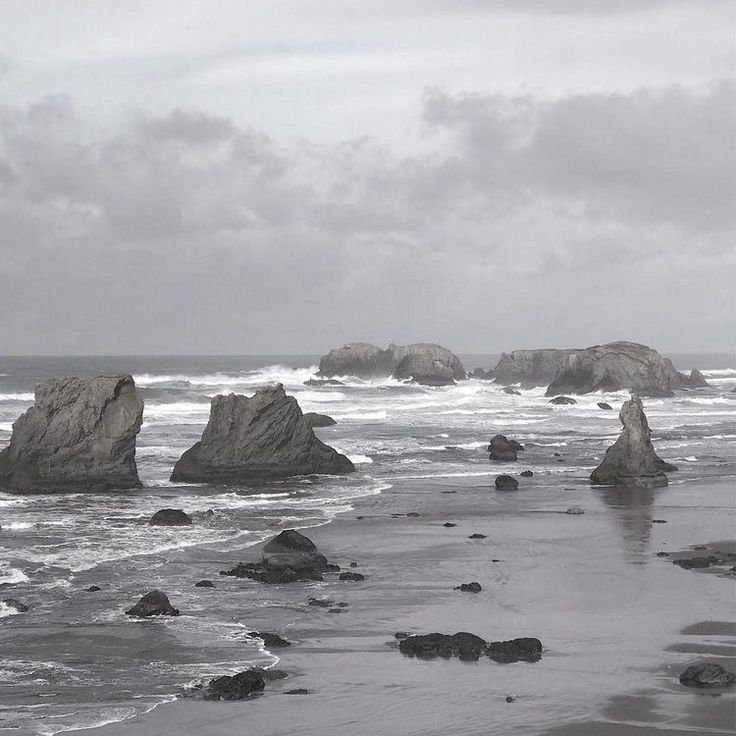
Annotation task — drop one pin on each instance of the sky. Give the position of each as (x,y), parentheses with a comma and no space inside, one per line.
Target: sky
(283,176)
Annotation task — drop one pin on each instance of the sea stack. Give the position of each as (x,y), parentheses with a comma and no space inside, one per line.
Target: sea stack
(425,363)
(259,438)
(631,460)
(78,436)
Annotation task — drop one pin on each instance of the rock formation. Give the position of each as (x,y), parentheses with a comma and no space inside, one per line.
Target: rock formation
(470,647)
(425,363)
(707,675)
(562,400)
(258,438)
(530,368)
(695,380)
(78,436)
(604,405)
(502,449)
(616,366)
(319,420)
(524,649)
(170,517)
(154,603)
(235,687)
(631,460)
(506,483)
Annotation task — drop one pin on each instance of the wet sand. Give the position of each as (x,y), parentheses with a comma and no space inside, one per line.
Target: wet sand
(618,623)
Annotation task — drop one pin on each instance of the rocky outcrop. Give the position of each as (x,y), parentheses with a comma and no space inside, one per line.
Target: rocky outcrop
(155,603)
(695,380)
(631,460)
(617,366)
(258,438)
(270,641)
(707,675)
(506,483)
(319,420)
(503,450)
(425,363)
(562,400)
(525,649)
(470,647)
(235,687)
(78,436)
(287,558)
(530,368)
(170,517)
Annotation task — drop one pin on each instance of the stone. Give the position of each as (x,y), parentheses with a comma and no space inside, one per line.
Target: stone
(562,400)
(171,517)
(319,420)
(511,391)
(401,635)
(525,649)
(695,380)
(16,604)
(154,603)
(469,588)
(604,405)
(449,524)
(354,576)
(429,646)
(292,549)
(707,675)
(692,563)
(359,359)
(297,691)
(631,461)
(78,436)
(236,687)
(259,438)
(93,589)
(270,641)
(575,510)
(477,536)
(530,368)
(526,474)
(616,366)
(503,450)
(204,584)
(319,382)
(506,483)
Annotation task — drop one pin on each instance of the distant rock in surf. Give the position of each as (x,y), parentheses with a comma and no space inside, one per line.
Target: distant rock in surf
(170,517)
(155,603)
(502,449)
(631,460)
(506,483)
(319,420)
(695,380)
(204,584)
(525,649)
(425,363)
(235,687)
(616,366)
(470,647)
(473,587)
(270,641)
(530,368)
(259,438)
(562,400)
(78,436)
(511,391)
(707,675)
(320,382)
(604,405)
(16,605)
(526,474)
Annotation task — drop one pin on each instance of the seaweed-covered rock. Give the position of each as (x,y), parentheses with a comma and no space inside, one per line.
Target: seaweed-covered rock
(707,675)
(631,460)
(525,649)
(428,646)
(78,436)
(258,438)
(469,587)
(154,603)
(171,517)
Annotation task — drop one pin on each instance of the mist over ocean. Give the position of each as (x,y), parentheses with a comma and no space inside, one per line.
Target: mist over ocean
(77,660)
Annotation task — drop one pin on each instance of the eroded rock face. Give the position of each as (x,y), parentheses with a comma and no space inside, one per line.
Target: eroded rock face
(425,363)
(530,368)
(78,436)
(258,438)
(631,460)
(616,366)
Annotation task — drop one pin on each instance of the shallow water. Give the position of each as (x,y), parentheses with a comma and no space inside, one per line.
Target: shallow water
(74,659)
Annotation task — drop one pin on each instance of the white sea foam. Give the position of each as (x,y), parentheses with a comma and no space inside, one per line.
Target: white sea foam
(5,611)
(247,378)
(11,575)
(368,415)
(17,525)
(22,396)
(6,426)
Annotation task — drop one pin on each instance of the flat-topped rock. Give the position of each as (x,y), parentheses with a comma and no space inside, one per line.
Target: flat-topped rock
(78,436)
(259,438)
(616,366)
(530,368)
(426,363)
(631,460)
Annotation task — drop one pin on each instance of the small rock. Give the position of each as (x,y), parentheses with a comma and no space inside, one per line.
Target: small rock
(511,391)
(319,420)
(449,524)
(154,603)
(506,483)
(562,400)
(269,640)
(356,576)
(707,675)
(525,649)
(353,564)
(204,584)
(170,517)
(604,405)
(658,521)
(526,474)
(689,563)
(469,587)
(477,536)
(297,691)
(13,603)
(575,510)
(235,687)
(93,588)
(413,514)
(662,554)
(335,610)
(319,602)
(401,635)
(511,698)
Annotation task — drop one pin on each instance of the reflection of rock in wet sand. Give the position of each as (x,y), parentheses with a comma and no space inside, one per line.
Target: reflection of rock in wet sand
(633,511)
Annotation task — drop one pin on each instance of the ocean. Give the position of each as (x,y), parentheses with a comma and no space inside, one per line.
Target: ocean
(75,660)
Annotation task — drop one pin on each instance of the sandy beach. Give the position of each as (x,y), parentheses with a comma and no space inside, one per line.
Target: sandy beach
(618,623)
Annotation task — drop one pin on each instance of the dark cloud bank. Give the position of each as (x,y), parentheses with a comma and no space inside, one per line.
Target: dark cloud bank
(526,222)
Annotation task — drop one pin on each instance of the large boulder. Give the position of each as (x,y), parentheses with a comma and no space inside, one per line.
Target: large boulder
(292,549)
(170,517)
(360,359)
(78,436)
(155,603)
(617,366)
(502,449)
(530,368)
(235,687)
(259,438)
(524,649)
(425,363)
(319,420)
(707,675)
(631,460)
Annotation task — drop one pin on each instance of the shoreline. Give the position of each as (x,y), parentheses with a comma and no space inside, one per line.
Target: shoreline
(411,565)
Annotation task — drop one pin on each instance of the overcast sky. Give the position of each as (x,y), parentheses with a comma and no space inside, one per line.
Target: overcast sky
(273,176)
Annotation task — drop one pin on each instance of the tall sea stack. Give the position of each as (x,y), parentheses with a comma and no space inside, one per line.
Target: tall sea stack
(78,436)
